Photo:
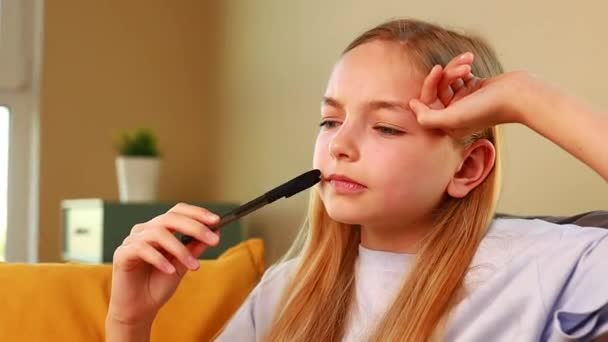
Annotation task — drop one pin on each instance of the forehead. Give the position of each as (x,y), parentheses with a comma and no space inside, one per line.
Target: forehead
(375,69)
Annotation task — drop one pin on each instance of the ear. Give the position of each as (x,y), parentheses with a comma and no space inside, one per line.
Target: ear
(478,160)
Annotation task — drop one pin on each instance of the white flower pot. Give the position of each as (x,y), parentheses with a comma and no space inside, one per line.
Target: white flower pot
(138,178)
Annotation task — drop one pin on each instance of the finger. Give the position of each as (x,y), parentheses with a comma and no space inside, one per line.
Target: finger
(197,213)
(449,86)
(468,77)
(127,257)
(457,120)
(419,108)
(462,92)
(463,58)
(430,118)
(457,85)
(452,74)
(163,239)
(186,226)
(470,86)
(429,86)
(196,248)
(445,92)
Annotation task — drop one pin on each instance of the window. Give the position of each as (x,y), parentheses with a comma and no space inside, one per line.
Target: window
(4,131)
(20,42)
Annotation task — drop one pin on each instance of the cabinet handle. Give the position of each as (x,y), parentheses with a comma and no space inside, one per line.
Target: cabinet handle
(81,231)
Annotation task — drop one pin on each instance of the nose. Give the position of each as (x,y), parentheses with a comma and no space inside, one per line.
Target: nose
(343,145)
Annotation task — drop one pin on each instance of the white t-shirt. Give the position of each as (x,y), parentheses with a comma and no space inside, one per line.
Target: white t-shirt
(530,280)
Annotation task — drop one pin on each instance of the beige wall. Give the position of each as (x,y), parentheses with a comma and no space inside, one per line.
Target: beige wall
(116,64)
(250,109)
(279,55)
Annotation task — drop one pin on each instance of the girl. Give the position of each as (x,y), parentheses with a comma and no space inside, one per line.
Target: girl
(400,243)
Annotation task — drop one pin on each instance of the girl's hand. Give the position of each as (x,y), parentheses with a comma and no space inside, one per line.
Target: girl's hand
(151,262)
(459,103)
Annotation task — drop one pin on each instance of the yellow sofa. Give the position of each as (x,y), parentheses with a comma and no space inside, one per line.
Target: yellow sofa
(68,302)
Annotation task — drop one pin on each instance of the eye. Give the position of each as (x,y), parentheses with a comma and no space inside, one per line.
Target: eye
(327,124)
(388,130)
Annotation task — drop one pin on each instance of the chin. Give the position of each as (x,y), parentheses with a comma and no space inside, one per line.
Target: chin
(346,215)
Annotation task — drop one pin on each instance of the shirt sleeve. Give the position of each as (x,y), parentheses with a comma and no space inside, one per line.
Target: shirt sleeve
(582,315)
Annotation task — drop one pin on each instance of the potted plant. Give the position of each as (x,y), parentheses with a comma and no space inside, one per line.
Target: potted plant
(138,166)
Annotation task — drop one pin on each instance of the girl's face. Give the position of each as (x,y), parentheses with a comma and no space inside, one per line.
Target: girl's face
(380,167)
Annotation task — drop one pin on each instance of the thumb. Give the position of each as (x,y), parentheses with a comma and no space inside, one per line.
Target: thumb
(426,116)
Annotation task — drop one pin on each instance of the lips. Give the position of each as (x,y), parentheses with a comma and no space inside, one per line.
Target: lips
(345,185)
(343,179)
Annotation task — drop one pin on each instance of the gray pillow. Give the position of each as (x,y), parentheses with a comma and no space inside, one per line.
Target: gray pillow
(597,218)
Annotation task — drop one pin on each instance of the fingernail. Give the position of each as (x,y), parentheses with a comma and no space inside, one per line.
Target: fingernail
(192,262)
(211,237)
(169,268)
(213,217)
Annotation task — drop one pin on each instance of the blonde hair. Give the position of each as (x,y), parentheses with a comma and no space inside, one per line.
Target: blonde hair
(316,303)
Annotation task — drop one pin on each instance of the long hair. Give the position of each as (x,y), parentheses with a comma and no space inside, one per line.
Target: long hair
(316,303)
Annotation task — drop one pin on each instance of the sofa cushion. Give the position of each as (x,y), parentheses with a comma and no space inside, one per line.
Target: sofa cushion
(68,302)
(597,218)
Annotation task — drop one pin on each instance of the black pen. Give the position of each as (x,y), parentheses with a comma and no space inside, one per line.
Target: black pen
(288,189)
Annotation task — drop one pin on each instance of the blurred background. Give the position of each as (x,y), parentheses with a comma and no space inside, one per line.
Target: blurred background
(232,90)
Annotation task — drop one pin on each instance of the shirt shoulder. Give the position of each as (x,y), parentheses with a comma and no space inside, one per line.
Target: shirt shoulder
(565,262)
(509,239)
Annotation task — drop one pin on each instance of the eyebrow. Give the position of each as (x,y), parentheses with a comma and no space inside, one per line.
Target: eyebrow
(371,105)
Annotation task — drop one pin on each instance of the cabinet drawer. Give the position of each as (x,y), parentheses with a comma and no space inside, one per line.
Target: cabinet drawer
(84,237)
(94,228)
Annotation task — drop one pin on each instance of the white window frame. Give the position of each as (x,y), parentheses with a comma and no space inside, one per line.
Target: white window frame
(20,61)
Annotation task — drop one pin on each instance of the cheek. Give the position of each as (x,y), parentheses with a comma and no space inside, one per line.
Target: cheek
(420,169)
(320,153)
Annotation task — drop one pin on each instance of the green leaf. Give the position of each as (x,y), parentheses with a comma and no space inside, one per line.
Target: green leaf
(141,143)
